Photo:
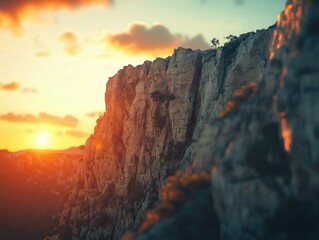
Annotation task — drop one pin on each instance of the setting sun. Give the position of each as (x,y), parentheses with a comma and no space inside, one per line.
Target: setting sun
(42,139)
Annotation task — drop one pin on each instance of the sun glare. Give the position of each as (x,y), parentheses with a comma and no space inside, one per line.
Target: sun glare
(42,140)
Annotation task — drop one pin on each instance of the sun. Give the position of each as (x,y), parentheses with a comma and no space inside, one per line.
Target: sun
(42,139)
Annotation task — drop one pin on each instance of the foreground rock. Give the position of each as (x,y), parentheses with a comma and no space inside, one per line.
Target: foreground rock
(154,114)
(263,154)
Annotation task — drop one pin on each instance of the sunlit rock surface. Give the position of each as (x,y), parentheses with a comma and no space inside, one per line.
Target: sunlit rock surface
(263,155)
(154,114)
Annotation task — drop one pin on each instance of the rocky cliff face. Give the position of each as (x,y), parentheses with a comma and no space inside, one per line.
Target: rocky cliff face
(154,114)
(262,155)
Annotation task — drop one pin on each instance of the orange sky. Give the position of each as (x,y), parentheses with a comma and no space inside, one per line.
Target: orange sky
(13,12)
(56,56)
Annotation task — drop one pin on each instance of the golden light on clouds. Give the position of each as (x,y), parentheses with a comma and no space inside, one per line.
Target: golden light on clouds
(156,40)
(12,86)
(13,12)
(16,87)
(77,134)
(94,114)
(43,54)
(70,43)
(44,118)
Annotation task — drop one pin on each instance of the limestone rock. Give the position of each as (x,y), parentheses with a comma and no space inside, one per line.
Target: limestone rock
(155,113)
(263,155)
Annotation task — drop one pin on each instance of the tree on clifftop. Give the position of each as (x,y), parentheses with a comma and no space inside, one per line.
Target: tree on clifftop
(215,43)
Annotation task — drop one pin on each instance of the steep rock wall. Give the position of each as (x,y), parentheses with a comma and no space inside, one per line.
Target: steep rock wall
(263,155)
(154,114)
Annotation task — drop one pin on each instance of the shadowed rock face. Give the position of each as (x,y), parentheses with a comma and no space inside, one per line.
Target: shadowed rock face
(154,114)
(264,154)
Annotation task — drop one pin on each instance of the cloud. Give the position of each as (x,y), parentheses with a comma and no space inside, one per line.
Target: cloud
(72,133)
(197,42)
(16,87)
(42,47)
(94,114)
(70,43)
(43,54)
(13,12)
(45,118)
(13,86)
(77,134)
(29,90)
(59,133)
(154,40)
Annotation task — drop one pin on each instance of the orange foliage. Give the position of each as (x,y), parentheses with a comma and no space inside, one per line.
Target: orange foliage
(229,148)
(128,236)
(238,97)
(177,190)
(285,131)
(287,24)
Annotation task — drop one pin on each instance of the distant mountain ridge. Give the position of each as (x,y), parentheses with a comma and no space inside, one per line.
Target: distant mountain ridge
(72,150)
(34,185)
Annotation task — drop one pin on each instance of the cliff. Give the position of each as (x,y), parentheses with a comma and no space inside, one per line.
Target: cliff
(262,154)
(249,129)
(155,113)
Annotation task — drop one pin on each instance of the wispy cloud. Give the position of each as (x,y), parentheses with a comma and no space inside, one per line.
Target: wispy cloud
(43,54)
(44,118)
(70,43)
(77,133)
(72,133)
(16,87)
(29,90)
(59,133)
(94,114)
(12,12)
(12,86)
(154,40)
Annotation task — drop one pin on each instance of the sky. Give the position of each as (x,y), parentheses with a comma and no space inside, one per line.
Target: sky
(56,56)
